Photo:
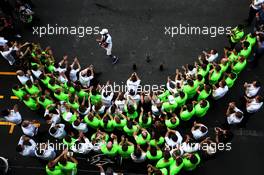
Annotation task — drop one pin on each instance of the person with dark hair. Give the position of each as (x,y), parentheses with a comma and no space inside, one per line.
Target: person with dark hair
(201,108)
(254,8)
(173,138)
(126,148)
(131,108)
(239,65)
(133,83)
(254,104)
(80,126)
(19,92)
(165,161)
(154,153)
(191,161)
(252,89)
(233,114)
(138,156)
(171,120)
(142,136)
(222,135)
(130,128)
(145,120)
(120,121)
(190,70)
(68,164)
(12,115)
(246,50)
(215,74)
(199,131)
(92,120)
(190,88)
(26,146)
(220,91)
(236,35)
(187,112)
(57,131)
(107,122)
(156,171)
(52,168)
(211,56)
(176,166)
(204,92)
(29,128)
(230,79)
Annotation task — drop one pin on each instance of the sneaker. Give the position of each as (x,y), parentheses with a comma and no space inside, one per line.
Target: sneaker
(115,60)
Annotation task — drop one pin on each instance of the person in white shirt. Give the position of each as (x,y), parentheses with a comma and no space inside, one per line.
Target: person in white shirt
(74,71)
(36,71)
(133,83)
(252,89)
(219,92)
(26,146)
(199,131)
(52,117)
(171,86)
(82,145)
(138,156)
(85,76)
(23,78)
(12,115)
(120,102)
(3,41)
(254,7)
(132,95)
(211,56)
(106,42)
(59,66)
(107,95)
(45,152)
(173,138)
(253,105)
(233,114)
(80,126)
(189,146)
(29,128)
(190,70)
(8,54)
(57,131)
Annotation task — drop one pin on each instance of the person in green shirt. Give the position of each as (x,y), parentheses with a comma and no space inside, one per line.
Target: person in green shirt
(187,112)
(181,98)
(68,116)
(81,93)
(165,161)
(130,128)
(199,80)
(19,92)
(95,96)
(169,106)
(246,50)
(61,95)
(203,69)
(52,168)
(201,108)
(252,39)
(215,74)
(190,88)
(69,87)
(126,148)
(155,171)
(172,121)
(33,89)
(99,137)
(145,120)
(111,147)
(45,101)
(176,166)
(236,35)
(232,55)
(224,64)
(73,102)
(154,153)
(143,138)
(68,165)
(44,78)
(53,86)
(191,161)
(239,65)
(157,139)
(230,79)
(120,121)
(93,121)
(164,96)
(107,122)
(69,141)
(131,109)
(204,93)
(31,102)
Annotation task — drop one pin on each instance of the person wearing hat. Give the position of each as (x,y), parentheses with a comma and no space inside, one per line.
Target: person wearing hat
(169,106)
(106,42)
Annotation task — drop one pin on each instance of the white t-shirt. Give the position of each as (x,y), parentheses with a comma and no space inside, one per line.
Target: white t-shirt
(30,130)
(73,75)
(212,57)
(83,148)
(133,85)
(254,106)
(23,79)
(28,150)
(251,90)
(60,133)
(257,4)
(55,118)
(107,101)
(82,127)
(49,154)
(190,147)
(232,119)
(171,143)
(219,92)
(84,80)
(36,73)
(14,117)
(120,105)
(8,56)
(108,40)
(197,133)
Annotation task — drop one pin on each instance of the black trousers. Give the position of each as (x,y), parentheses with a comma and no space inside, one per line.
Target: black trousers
(252,14)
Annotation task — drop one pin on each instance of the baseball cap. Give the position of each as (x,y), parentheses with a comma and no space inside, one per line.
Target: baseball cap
(104,31)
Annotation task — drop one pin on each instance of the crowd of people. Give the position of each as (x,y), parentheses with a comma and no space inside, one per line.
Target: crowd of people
(89,118)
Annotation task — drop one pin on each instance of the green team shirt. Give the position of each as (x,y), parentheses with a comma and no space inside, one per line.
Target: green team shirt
(157,157)
(174,169)
(164,96)
(141,141)
(232,57)
(82,94)
(171,125)
(95,98)
(95,123)
(230,82)
(126,154)
(71,119)
(31,103)
(186,115)
(46,102)
(188,166)
(169,107)
(46,81)
(203,95)
(237,36)
(190,91)
(163,164)
(69,89)
(199,111)
(203,72)
(74,105)
(252,40)
(181,101)
(34,90)
(153,142)
(53,88)
(145,125)
(215,77)
(69,169)
(131,131)
(62,96)
(109,127)
(69,144)
(113,152)
(56,171)
(245,52)
(224,67)
(19,93)
(120,125)
(238,67)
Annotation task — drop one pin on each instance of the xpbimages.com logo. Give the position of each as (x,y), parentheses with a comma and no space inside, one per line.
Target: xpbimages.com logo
(79,31)
(182,29)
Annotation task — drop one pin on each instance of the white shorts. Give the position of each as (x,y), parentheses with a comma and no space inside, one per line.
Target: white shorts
(109,50)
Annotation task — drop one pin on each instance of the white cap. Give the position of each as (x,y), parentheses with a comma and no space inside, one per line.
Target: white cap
(104,31)
(171,99)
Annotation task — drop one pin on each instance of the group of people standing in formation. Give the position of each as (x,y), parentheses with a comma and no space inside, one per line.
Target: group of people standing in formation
(164,128)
